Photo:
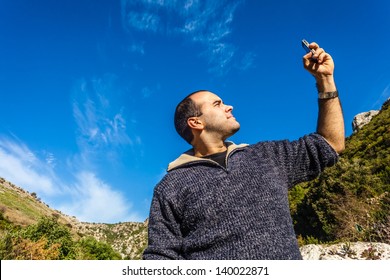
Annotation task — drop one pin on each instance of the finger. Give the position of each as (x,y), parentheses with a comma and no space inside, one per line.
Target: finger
(307,60)
(322,57)
(314,45)
(308,56)
(316,48)
(309,63)
(318,53)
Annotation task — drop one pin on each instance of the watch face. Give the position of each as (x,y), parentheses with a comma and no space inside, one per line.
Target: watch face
(327,95)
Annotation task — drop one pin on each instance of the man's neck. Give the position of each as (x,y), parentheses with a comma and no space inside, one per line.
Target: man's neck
(205,149)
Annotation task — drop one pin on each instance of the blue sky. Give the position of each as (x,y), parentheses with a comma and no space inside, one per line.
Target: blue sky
(88,88)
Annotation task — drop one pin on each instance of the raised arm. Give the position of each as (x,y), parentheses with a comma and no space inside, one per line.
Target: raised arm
(330,116)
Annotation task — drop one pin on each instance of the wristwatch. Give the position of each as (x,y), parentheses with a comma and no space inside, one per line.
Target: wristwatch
(328,94)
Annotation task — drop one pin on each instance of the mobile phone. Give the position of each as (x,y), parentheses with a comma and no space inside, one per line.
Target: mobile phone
(305,45)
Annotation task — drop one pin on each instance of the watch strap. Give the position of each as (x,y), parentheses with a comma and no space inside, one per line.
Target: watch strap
(328,94)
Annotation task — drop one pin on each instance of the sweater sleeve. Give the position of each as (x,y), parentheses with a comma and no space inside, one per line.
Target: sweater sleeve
(305,158)
(164,235)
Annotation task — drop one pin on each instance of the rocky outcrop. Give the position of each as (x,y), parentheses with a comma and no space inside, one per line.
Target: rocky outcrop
(362,119)
(347,251)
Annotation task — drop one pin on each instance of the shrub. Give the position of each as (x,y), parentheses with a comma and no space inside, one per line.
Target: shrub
(54,233)
(91,249)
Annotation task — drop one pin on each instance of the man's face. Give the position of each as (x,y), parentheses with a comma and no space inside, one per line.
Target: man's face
(216,116)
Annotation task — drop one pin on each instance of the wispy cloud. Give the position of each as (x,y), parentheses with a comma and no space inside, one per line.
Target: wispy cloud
(208,21)
(21,166)
(149,91)
(137,47)
(143,21)
(247,61)
(102,128)
(220,56)
(91,199)
(383,97)
(84,195)
(205,22)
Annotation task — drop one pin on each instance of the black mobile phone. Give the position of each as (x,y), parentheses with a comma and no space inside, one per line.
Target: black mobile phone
(305,45)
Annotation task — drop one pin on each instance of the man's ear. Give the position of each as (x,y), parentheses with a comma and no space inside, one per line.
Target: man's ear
(195,123)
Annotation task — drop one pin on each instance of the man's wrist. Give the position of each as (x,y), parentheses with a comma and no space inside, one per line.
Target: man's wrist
(328,94)
(325,84)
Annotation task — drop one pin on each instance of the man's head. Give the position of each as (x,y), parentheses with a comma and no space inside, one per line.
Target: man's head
(204,112)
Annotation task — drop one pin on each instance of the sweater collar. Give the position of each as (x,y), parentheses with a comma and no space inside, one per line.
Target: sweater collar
(188,156)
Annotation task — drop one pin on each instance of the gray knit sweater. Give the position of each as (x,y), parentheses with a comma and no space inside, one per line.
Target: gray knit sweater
(201,210)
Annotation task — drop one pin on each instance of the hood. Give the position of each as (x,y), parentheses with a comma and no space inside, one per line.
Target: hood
(189,157)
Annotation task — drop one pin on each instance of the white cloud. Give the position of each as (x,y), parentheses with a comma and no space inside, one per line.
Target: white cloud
(143,21)
(206,22)
(149,91)
(50,159)
(247,61)
(20,165)
(221,56)
(383,97)
(94,200)
(88,197)
(137,47)
(101,123)
(189,4)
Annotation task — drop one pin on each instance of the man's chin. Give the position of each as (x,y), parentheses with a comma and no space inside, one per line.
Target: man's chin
(235,129)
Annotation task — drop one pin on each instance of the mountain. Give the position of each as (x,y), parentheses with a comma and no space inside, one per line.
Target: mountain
(21,211)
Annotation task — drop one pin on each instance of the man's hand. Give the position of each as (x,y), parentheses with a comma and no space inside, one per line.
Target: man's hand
(321,66)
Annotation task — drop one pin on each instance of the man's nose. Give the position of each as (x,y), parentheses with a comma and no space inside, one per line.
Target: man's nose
(229,108)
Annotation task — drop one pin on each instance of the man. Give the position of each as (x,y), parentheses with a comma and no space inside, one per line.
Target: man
(225,201)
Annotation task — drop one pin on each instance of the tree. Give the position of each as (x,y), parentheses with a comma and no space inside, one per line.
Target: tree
(54,233)
(91,249)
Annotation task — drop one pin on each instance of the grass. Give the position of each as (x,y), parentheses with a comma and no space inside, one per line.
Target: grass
(22,209)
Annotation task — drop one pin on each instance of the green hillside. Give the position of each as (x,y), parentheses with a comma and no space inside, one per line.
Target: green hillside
(30,229)
(351,200)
